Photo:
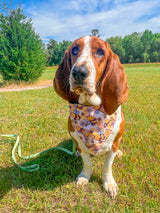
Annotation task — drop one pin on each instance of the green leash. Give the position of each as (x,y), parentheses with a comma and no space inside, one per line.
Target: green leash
(34,167)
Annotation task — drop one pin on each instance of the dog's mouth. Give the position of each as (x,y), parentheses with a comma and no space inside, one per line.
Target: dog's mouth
(80,89)
(83,88)
(86,96)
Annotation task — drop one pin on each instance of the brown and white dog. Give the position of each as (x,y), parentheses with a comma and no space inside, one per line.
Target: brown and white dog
(90,74)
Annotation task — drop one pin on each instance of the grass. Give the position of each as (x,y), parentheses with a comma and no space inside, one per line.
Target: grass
(39,117)
(47,75)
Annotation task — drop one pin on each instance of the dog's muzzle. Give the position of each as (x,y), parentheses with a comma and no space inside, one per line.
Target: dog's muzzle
(80,73)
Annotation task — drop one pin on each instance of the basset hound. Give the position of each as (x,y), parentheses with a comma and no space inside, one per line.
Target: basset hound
(92,80)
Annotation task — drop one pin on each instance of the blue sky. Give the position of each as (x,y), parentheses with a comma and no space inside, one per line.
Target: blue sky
(71,19)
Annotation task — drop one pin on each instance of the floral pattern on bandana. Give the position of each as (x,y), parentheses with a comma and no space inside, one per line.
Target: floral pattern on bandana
(92,124)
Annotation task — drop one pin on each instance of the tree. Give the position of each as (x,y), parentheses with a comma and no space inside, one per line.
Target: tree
(146,39)
(64,47)
(137,47)
(117,47)
(56,51)
(95,32)
(22,55)
(155,56)
(155,49)
(133,47)
(50,49)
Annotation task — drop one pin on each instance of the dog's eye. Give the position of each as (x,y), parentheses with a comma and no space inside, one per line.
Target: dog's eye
(99,53)
(75,50)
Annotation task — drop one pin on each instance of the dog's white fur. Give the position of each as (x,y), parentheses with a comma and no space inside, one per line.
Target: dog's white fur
(108,180)
(92,98)
(85,58)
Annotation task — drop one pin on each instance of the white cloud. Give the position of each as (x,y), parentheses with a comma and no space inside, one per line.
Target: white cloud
(79,17)
(84,5)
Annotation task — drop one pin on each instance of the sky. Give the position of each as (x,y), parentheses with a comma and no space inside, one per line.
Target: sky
(70,19)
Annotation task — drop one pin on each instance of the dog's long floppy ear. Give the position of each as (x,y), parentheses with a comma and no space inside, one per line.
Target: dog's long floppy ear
(61,80)
(114,87)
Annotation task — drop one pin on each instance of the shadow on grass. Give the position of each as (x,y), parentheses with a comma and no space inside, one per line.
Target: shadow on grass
(56,169)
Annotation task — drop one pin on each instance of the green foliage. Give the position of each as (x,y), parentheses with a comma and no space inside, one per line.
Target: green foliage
(134,48)
(21,50)
(137,47)
(55,51)
(117,47)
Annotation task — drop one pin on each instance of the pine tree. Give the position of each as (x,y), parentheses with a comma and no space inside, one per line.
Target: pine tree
(22,54)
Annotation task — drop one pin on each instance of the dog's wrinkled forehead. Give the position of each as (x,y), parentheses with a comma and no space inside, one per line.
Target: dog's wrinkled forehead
(81,51)
(83,71)
(85,52)
(90,51)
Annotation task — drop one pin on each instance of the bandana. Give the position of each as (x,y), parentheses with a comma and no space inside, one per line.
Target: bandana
(92,124)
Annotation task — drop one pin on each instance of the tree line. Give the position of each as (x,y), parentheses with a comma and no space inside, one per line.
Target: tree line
(134,48)
(55,51)
(23,56)
(137,47)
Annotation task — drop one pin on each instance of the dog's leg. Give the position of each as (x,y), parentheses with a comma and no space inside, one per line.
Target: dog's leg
(86,173)
(108,180)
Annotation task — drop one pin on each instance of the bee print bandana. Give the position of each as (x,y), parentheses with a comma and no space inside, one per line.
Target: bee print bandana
(92,124)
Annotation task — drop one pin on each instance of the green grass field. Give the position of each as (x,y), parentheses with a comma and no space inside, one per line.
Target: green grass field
(39,117)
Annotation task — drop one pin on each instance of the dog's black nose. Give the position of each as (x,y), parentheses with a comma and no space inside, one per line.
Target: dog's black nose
(80,73)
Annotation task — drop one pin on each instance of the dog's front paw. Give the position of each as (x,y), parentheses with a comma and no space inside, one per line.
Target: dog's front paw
(111,188)
(81,181)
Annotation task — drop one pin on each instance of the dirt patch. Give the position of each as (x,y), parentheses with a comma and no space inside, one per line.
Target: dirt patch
(21,87)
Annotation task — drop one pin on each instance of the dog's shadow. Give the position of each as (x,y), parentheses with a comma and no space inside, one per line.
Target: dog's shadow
(56,169)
